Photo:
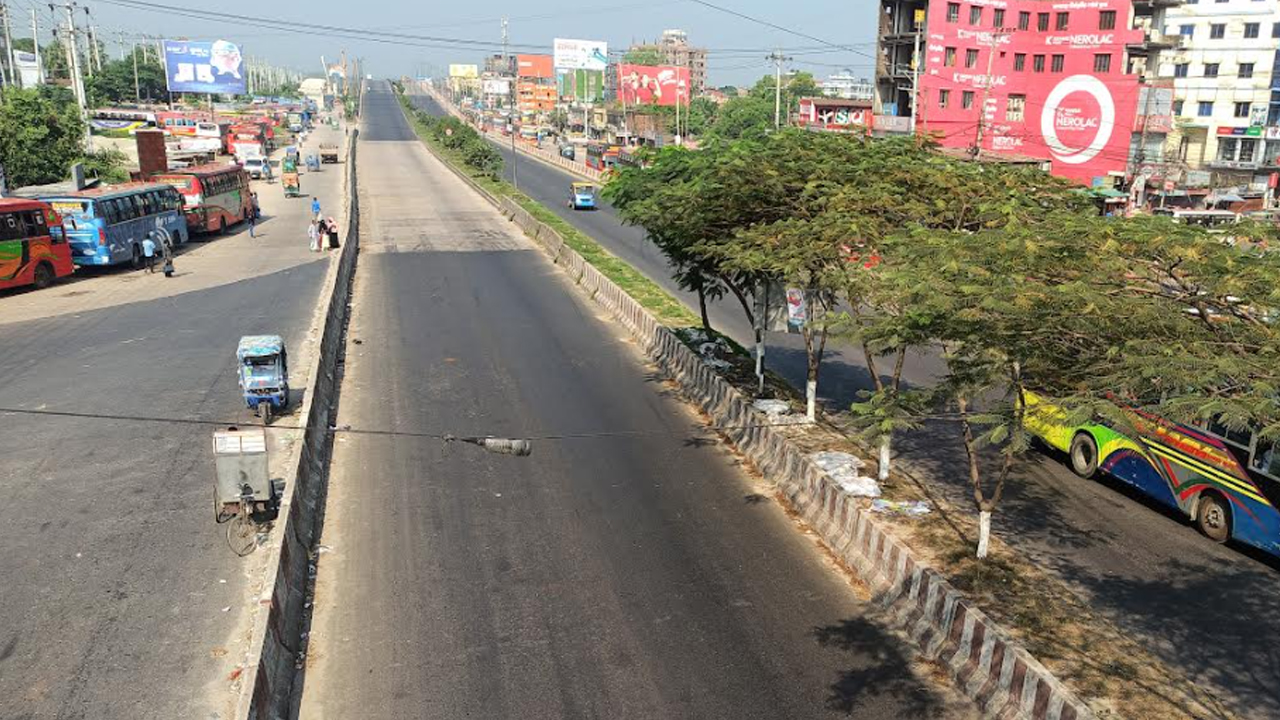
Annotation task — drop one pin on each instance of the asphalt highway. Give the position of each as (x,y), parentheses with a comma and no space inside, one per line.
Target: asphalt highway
(1209,609)
(121,599)
(628,568)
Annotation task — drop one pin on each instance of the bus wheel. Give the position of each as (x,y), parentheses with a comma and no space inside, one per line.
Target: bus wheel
(1213,517)
(43,276)
(1084,455)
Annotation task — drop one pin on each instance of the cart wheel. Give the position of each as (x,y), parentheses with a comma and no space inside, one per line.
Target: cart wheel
(265,409)
(242,534)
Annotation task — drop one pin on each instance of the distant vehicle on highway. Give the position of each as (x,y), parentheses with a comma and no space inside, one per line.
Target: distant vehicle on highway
(215,196)
(33,246)
(259,168)
(106,225)
(567,151)
(582,196)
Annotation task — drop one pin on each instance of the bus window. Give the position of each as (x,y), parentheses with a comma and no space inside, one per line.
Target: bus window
(1239,438)
(9,229)
(1265,459)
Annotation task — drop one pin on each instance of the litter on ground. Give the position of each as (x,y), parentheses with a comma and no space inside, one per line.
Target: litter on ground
(843,468)
(909,508)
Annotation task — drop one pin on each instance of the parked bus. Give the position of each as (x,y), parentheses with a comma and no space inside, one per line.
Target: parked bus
(602,157)
(33,246)
(216,196)
(1227,482)
(106,225)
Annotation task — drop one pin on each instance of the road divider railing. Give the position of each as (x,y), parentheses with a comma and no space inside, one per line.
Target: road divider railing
(277,649)
(948,629)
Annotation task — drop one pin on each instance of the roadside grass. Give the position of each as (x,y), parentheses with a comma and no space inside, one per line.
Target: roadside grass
(1087,652)
(667,309)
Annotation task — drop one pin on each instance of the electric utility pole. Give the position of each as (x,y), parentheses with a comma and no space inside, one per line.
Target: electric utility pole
(35,40)
(77,80)
(511,110)
(11,74)
(976,150)
(777,59)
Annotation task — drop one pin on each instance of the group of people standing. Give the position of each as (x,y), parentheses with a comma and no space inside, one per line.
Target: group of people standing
(158,239)
(321,228)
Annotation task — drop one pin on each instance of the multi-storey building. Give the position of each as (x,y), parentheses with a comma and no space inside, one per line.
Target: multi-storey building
(1063,81)
(1226,79)
(675,50)
(847,86)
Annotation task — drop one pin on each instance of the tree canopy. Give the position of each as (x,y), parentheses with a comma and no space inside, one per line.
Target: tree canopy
(644,55)
(115,82)
(1009,272)
(41,135)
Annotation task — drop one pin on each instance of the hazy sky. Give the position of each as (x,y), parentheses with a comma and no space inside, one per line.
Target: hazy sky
(738,46)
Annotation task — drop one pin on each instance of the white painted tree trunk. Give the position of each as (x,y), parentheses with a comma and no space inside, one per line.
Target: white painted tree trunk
(984,533)
(883,467)
(811,393)
(760,361)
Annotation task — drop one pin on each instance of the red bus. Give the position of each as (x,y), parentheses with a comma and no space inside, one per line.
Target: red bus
(33,246)
(215,196)
(602,157)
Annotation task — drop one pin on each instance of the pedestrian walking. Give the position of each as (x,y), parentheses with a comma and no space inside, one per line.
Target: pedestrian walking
(253,220)
(333,234)
(165,251)
(149,253)
(313,234)
(315,207)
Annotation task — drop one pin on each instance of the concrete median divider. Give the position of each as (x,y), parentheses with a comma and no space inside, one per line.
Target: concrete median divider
(991,668)
(277,648)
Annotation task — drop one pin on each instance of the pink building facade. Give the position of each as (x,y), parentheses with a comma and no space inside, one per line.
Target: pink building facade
(1033,78)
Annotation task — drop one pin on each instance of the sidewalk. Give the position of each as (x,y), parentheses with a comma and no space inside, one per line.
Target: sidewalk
(207,260)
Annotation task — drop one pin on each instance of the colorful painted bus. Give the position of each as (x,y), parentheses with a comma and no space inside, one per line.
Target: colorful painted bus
(216,196)
(1227,482)
(106,225)
(601,156)
(33,246)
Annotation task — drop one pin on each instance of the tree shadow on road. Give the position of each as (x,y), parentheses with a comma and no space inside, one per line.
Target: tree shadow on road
(881,670)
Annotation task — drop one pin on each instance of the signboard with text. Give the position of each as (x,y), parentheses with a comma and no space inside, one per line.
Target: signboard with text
(464,71)
(534,66)
(204,67)
(586,86)
(834,113)
(581,54)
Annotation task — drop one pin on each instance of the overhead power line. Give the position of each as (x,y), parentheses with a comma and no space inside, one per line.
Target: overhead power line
(305,28)
(787,30)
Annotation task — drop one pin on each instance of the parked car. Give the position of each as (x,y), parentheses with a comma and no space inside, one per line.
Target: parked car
(567,151)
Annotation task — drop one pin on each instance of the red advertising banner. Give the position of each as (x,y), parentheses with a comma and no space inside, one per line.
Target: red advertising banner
(534,66)
(650,84)
(1051,84)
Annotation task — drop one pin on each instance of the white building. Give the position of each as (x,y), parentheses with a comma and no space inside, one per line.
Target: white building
(1226,89)
(846,86)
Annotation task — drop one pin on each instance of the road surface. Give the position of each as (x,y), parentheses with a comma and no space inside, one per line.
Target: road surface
(121,598)
(631,575)
(1150,573)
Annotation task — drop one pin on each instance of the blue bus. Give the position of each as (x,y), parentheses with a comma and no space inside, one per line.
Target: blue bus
(106,225)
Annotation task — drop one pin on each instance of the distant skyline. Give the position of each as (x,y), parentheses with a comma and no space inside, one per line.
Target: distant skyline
(738,46)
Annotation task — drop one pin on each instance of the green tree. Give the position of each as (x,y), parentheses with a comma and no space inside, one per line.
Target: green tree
(41,135)
(644,55)
(54,58)
(744,117)
(115,83)
(24,44)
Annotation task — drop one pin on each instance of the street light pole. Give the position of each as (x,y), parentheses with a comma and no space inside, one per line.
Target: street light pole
(777,59)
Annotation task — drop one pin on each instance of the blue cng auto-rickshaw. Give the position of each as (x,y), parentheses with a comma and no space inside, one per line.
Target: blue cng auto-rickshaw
(263,369)
(582,196)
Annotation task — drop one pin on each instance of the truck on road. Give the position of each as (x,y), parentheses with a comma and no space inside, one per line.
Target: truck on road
(328,153)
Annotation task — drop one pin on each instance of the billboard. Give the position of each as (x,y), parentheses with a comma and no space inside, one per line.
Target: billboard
(1064,96)
(652,84)
(28,69)
(204,67)
(534,66)
(496,86)
(585,86)
(464,71)
(581,54)
(835,113)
